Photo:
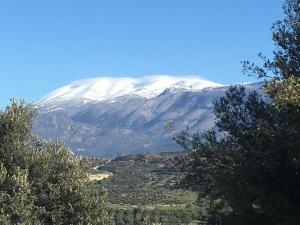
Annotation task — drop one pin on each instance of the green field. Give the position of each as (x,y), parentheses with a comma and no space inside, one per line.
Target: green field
(143,190)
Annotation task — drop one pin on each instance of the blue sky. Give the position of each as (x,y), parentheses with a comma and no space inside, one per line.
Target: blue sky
(47,44)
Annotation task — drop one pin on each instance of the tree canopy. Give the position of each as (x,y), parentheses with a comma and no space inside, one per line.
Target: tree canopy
(249,166)
(42,182)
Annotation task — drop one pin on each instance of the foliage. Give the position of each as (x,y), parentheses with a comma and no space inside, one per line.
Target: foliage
(140,216)
(144,179)
(286,56)
(249,166)
(249,173)
(142,190)
(284,92)
(41,182)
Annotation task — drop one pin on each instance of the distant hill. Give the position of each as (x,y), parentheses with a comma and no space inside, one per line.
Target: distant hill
(145,186)
(111,117)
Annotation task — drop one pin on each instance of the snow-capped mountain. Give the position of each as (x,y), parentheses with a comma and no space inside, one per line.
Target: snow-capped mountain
(116,116)
(112,88)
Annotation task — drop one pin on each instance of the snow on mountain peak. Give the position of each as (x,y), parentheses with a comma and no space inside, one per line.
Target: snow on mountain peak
(110,88)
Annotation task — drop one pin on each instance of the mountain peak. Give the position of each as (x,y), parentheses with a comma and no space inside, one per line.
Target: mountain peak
(110,88)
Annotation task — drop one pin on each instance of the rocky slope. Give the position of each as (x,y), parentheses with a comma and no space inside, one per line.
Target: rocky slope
(117,116)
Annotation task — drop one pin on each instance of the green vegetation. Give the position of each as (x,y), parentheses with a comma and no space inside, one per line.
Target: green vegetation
(143,190)
(139,216)
(246,173)
(143,180)
(250,171)
(41,182)
(284,92)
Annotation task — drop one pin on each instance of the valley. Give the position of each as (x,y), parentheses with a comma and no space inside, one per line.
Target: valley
(145,186)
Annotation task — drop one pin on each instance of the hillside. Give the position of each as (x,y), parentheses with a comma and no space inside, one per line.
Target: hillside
(147,184)
(120,116)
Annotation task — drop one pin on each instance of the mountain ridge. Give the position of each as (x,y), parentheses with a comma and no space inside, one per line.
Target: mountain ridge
(130,123)
(112,88)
